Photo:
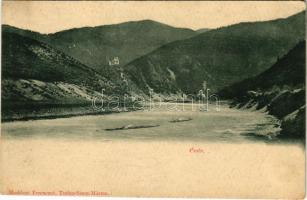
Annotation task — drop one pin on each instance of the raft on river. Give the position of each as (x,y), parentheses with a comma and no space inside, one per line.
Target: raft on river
(181,119)
(130,126)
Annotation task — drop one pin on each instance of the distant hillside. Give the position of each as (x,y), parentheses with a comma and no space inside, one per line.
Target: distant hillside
(39,78)
(35,72)
(220,57)
(202,30)
(280,90)
(287,71)
(26,58)
(95,46)
(70,68)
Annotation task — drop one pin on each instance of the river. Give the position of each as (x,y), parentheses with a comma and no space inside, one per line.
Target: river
(220,124)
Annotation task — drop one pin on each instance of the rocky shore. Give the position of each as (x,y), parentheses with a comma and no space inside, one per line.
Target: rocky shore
(286,105)
(279,90)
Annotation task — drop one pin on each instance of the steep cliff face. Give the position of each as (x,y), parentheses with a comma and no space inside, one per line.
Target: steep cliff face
(220,57)
(280,90)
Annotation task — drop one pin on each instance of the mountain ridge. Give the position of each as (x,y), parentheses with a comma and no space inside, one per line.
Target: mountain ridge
(96,46)
(221,57)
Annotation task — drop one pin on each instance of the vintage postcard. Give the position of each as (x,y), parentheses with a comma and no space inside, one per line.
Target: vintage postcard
(190,99)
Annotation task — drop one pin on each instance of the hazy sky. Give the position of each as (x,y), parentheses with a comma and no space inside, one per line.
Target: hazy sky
(47,17)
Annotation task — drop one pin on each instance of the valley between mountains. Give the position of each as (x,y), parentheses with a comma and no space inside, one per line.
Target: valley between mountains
(254,65)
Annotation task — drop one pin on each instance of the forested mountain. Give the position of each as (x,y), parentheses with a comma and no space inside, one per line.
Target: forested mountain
(220,57)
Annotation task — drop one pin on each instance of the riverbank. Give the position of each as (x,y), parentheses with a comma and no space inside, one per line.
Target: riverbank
(288,106)
(37,112)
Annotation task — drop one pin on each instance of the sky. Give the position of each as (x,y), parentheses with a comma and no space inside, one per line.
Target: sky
(50,17)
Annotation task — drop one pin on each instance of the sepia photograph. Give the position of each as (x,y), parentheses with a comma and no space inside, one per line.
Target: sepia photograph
(184,99)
